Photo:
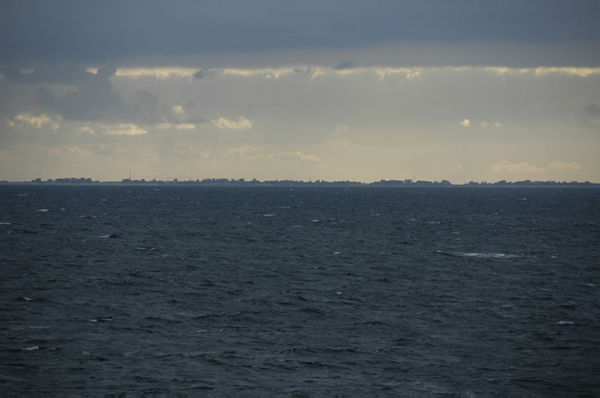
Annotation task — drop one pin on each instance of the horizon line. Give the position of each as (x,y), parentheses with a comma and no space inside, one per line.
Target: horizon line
(254,181)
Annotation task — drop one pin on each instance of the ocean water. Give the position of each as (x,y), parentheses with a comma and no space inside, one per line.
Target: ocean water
(263,290)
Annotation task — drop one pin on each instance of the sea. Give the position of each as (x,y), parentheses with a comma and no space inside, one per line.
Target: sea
(165,289)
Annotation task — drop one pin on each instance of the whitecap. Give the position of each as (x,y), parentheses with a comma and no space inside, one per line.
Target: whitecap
(565,323)
(33,348)
(315,220)
(5,223)
(270,215)
(43,210)
(103,236)
(336,253)
(489,255)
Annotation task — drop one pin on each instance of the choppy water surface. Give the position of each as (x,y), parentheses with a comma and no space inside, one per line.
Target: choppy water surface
(304,290)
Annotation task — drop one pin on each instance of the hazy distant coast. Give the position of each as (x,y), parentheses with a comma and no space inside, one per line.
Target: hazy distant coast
(242,182)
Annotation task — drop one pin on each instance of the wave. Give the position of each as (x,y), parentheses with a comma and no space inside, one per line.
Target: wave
(477,255)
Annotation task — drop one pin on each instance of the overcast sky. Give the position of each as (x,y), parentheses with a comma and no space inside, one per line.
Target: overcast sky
(331,90)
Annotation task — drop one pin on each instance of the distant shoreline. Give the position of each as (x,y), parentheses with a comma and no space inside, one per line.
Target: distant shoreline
(223,182)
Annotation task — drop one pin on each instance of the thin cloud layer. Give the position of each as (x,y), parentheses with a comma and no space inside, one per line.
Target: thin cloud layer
(97,31)
(525,167)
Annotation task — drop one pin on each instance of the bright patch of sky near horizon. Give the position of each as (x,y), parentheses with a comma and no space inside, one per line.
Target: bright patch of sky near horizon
(462,91)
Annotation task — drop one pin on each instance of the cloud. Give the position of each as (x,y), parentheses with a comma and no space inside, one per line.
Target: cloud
(413,75)
(185,126)
(525,167)
(159,73)
(188,151)
(202,73)
(123,129)
(294,155)
(384,72)
(563,166)
(87,129)
(340,130)
(49,73)
(344,65)
(181,126)
(65,150)
(93,99)
(542,71)
(522,167)
(486,124)
(348,68)
(466,123)
(98,30)
(248,152)
(36,121)
(147,98)
(592,110)
(226,124)
(570,71)
(265,72)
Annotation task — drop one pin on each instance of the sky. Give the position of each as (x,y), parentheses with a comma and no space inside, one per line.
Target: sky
(300,90)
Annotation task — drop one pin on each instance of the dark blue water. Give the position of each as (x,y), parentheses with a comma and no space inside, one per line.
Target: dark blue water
(150,289)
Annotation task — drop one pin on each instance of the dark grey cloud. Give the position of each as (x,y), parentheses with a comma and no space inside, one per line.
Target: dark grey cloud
(344,65)
(147,98)
(204,73)
(82,31)
(94,99)
(192,112)
(593,110)
(148,104)
(27,73)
